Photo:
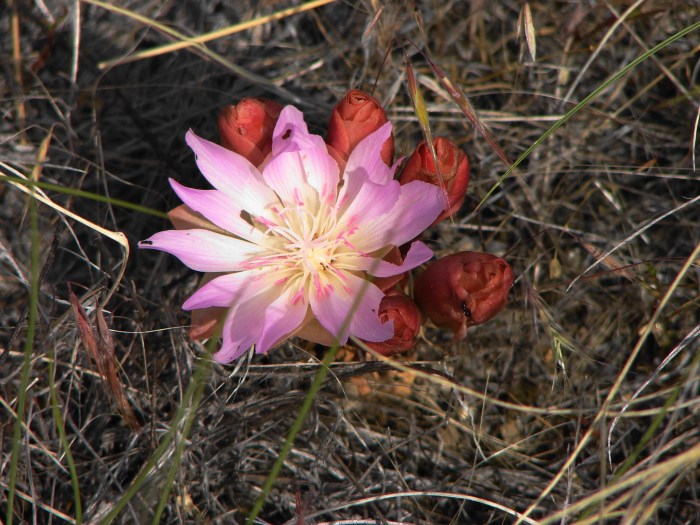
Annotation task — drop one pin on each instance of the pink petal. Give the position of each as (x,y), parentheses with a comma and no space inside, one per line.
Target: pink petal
(233,347)
(367,326)
(203,250)
(285,175)
(230,351)
(232,174)
(282,317)
(293,174)
(365,318)
(418,206)
(243,326)
(417,254)
(225,290)
(370,216)
(352,307)
(371,202)
(219,208)
(366,157)
(349,191)
(322,172)
(291,133)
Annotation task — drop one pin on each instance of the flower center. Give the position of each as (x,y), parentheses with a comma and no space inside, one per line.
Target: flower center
(315,258)
(305,247)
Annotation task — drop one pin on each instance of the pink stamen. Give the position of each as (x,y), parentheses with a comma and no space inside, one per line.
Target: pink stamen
(266,222)
(297,197)
(299,296)
(318,286)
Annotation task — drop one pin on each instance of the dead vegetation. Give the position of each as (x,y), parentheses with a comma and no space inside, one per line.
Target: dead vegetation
(577,404)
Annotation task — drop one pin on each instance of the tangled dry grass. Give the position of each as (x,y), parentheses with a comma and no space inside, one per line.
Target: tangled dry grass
(578,404)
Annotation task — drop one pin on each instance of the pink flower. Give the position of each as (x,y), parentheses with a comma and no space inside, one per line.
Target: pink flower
(295,245)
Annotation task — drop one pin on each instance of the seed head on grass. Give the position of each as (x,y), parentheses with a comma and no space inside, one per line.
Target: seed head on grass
(296,240)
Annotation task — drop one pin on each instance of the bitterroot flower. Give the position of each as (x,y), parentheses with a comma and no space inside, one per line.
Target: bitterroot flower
(297,242)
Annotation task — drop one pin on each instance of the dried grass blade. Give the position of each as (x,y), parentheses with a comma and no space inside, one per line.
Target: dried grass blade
(586,100)
(118,237)
(600,47)
(608,260)
(99,345)
(200,48)
(529,28)
(462,101)
(615,388)
(370,27)
(214,35)
(424,122)
(17,66)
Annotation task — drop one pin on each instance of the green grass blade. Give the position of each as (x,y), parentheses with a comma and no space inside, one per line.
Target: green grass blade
(84,194)
(293,431)
(28,352)
(58,421)
(190,402)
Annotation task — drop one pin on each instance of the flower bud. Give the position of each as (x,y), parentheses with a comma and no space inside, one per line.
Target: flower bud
(463,289)
(452,173)
(247,127)
(352,119)
(407,319)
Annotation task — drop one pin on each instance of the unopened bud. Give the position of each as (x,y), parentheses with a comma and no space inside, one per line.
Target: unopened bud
(352,119)
(451,174)
(407,320)
(463,289)
(246,128)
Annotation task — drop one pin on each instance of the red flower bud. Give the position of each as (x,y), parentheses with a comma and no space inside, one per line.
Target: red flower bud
(463,289)
(352,119)
(400,309)
(453,165)
(247,127)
